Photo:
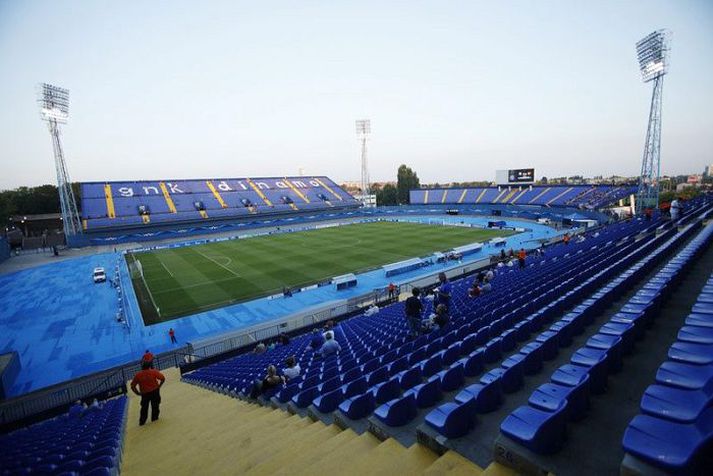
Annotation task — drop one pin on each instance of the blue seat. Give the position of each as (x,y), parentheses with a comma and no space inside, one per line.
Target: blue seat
(431,366)
(483,398)
(329,401)
(511,378)
(416,356)
(355,387)
(331,384)
(482,336)
(695,334)
(508,340)
(703,307)
(397,412)
(700,320)
(410,378)
(359,406)
(686,376)
(370,366)
(549,344)
(570,375)
(492,351)
(452,378)
(398,366)
(473,363)
(468,345)
(595,360)
(451,420)
(676,448)
(533,357)
(625,330)
(385,391)
(675,404)
(451,354)
(286,393)
(612,344)
(305,397)
(352,374)
(429,393)
(377,376)
(686,352)
(549,396)
(540,431)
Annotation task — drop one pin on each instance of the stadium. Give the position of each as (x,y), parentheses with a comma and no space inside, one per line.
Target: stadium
(559,327)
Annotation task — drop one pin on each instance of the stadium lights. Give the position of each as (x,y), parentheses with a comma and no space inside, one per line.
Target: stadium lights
(54,103)
(652,53)
(363,129)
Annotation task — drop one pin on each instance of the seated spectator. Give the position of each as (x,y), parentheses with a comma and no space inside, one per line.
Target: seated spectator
(441,319)
(489,275)
(328,329)
(317,340)
(293,368)
(330,347)
(271,345)
(510,263)
(260,348)
(486,288)
(283,339)
(94,407)
(474,291)
(270,381)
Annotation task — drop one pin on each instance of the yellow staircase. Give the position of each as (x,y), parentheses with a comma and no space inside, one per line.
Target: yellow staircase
(203,432)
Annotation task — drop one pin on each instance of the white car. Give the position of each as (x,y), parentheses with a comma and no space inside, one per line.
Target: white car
(99,275)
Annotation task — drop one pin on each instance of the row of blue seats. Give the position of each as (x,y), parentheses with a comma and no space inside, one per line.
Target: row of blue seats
(540,426)
(674,433)
(87,442)
(455,419)
(451,377)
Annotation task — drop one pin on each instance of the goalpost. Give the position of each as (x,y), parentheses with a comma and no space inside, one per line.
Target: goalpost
(136,271)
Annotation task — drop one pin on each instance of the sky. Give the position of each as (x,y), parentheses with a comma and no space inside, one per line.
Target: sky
(453,89)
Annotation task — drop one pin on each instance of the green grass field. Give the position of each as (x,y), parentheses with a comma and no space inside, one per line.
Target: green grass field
(192,279)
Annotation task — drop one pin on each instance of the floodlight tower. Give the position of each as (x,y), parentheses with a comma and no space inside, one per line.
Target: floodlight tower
(54,109)
(652,53)
(363,129)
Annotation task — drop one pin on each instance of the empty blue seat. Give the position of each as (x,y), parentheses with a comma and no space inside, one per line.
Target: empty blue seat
(429,393)
(305,397)
(596,362)
(511,378)
(677,448)
(331,384)
(683,406)
(686,376)
(695,334)
(550,344)
(416,356)
(383,392)
(410,378)
(473,363)
(533,357)
(452,378)
(398,365)
(468,345)
(700,320)
(492,351)
(548,397)
(686,352)
(329,401)
(377,376)
(451,420)
(397,412)
(352,374)
(431,366)
(540,431)
(359,406)
(286,393)
(482,398)
(508,340)
(625,330)
(355,387)
(370,366)
(451,354)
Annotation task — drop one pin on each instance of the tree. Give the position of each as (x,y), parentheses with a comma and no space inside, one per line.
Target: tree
(406,179)
(387,195)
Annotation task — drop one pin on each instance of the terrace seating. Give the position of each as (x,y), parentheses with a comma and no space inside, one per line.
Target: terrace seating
(578,196)
(112,205)
(86,442)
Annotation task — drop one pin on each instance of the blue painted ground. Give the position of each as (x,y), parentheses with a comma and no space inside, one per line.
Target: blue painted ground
(63,325)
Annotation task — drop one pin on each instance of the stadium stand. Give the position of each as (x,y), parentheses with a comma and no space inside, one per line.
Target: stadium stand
(83,441)
(577,196)
(117,205)
(674,431)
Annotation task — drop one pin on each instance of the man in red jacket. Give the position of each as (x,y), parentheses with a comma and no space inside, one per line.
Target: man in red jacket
(149,383)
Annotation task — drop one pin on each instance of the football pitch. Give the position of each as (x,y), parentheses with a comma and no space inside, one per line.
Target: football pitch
(192,279)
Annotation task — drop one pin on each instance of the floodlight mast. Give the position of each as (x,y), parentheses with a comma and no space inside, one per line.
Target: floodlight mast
(54,109)
(652,53)
(363,129)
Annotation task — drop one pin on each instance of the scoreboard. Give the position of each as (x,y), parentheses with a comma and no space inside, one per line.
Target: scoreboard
(514,176)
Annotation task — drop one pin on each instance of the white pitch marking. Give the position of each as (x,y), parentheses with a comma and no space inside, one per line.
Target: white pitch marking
(213,260)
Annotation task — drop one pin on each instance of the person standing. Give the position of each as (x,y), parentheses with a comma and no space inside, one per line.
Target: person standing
(521,257)
(443,293)
(172,335)
(413,309)
(392,290)
(675,209)
(147,383)
(148,357)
